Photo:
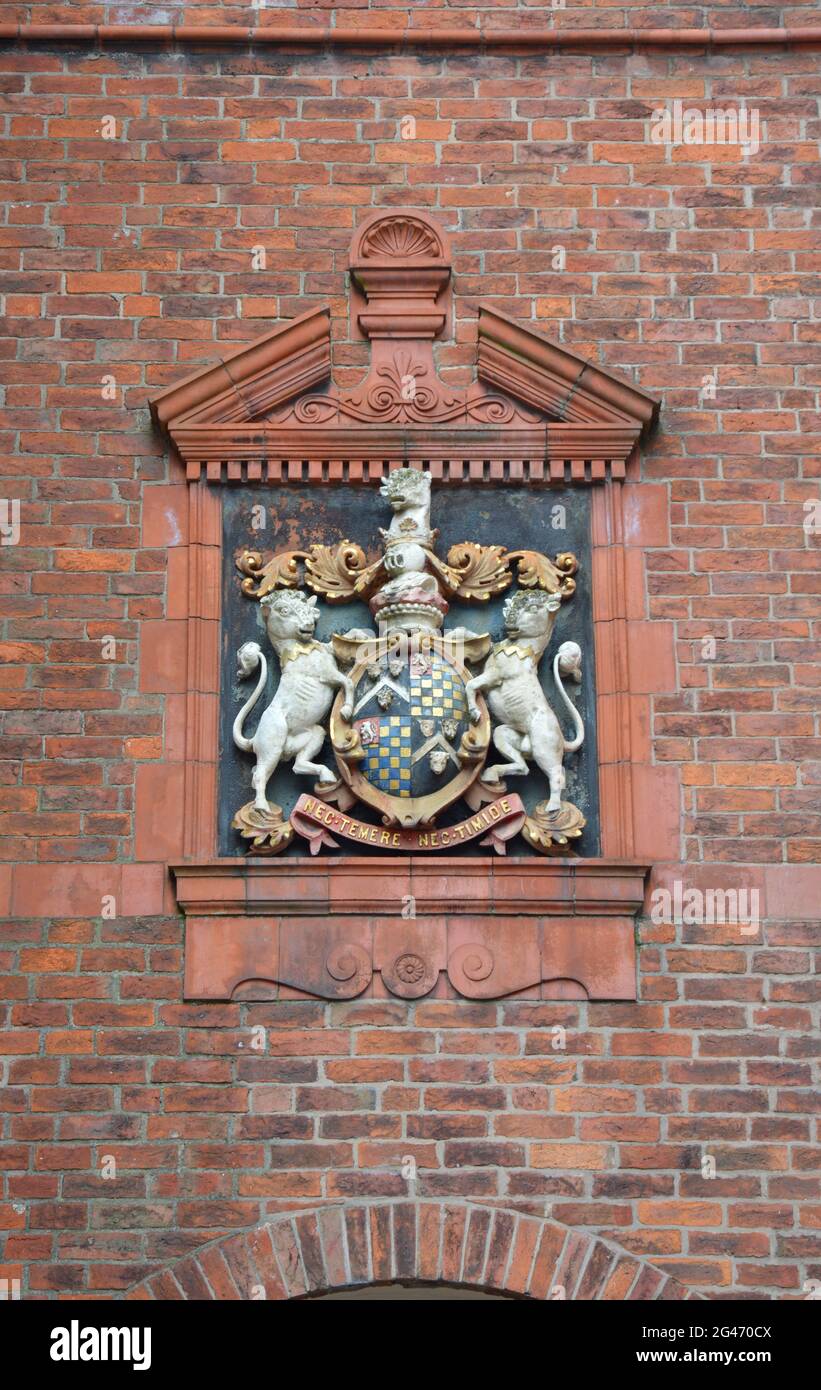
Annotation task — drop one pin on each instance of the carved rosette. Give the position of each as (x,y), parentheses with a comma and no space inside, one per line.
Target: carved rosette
(410,975)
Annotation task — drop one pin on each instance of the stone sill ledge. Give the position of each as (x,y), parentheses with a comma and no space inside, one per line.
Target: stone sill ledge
(305,886)
(476,929)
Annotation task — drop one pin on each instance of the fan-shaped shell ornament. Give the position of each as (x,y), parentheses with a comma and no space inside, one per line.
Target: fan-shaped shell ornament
(400,238)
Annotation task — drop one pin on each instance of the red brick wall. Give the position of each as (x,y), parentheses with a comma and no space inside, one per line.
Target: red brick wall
(130,257)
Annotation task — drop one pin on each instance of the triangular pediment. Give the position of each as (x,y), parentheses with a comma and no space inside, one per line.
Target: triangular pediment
(550,378)
(274,379)
(534,405)
(254,380)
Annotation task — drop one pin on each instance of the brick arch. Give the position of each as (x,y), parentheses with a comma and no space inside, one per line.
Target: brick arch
(499,1250)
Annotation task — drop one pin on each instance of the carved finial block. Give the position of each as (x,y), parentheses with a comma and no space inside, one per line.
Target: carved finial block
(400,262)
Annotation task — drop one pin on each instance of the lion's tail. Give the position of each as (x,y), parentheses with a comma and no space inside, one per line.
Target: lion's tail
(250,656)
(570,745)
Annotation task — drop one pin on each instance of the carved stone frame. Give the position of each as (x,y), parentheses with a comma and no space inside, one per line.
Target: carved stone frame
(484,928)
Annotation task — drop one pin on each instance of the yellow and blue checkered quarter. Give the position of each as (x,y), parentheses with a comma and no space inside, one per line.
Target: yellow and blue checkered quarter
(387,764)
(440,694)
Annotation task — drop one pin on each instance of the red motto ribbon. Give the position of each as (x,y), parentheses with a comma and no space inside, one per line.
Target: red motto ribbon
(498,822)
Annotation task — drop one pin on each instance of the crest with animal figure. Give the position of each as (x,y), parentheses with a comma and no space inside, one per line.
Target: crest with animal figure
(413,709)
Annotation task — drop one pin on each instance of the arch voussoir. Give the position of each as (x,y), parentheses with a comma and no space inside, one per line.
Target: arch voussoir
(496,1249)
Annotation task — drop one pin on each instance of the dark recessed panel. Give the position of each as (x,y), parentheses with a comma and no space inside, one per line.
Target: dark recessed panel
(298,515)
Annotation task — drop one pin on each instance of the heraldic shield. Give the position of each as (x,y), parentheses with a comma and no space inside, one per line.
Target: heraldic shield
(410,748)
(409,726)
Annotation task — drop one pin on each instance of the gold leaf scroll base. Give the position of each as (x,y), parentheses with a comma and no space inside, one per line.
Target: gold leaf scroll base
(553,832)
(267,830)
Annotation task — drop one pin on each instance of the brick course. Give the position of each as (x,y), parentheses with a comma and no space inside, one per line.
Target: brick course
(131,258)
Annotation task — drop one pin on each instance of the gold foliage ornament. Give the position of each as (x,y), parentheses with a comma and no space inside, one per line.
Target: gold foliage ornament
(337,572)
(269,832)
(554,832)
(537,571)
(480,570)
(263,576)
(477,572)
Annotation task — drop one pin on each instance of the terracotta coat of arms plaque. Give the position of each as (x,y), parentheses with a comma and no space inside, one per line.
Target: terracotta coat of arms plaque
(417,634)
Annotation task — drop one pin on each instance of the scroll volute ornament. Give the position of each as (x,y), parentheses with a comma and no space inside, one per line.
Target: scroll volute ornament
(477,572)
(401,264)
(337,572)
